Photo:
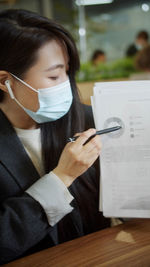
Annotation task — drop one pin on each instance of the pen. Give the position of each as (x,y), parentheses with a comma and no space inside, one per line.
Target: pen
(108,130)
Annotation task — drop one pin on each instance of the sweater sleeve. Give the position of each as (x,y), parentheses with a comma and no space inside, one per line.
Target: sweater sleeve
(53,196)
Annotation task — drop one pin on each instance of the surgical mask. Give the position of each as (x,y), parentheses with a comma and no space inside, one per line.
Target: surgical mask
(54,102)
(138,46)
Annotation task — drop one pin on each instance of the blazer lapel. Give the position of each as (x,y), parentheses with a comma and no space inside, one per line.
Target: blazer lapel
(14,156)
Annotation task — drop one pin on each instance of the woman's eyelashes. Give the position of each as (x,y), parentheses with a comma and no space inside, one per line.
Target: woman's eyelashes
(54,78)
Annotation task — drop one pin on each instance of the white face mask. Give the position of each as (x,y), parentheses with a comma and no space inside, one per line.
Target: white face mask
(139,46)
(54,101)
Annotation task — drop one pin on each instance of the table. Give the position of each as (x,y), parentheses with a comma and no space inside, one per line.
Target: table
(86,89)
(126,245)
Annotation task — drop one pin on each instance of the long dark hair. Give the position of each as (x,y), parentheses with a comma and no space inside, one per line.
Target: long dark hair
(22,33)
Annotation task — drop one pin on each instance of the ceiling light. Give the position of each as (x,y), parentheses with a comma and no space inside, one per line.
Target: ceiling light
(145,7)
(82,31)
(92,2)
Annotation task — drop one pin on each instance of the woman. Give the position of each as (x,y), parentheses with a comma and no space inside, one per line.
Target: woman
(48,187)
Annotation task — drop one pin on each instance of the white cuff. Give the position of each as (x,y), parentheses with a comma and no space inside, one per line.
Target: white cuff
(53,196)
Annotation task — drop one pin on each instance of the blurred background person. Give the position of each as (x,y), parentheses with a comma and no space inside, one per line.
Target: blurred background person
(142,63)
(141,41)
(98,57)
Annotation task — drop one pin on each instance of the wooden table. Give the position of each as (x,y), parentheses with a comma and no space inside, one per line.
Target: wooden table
(86,89)
(126,245)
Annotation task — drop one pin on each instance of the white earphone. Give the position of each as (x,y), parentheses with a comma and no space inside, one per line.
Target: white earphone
(7,83)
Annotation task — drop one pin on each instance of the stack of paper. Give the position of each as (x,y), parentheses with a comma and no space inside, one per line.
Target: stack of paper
(125,155)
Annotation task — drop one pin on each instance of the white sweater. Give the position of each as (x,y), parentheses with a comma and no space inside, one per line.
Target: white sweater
(49,190)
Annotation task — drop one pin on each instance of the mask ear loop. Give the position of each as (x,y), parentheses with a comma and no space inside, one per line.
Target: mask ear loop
(7,83)
(23,82)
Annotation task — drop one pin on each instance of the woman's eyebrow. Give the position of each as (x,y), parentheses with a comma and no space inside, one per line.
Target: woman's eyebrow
(56,66)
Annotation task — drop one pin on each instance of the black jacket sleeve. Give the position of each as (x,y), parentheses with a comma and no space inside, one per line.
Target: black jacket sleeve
(23,224)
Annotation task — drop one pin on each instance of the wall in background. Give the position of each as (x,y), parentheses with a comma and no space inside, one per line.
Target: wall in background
(33,5)
(114,31)
(109,29)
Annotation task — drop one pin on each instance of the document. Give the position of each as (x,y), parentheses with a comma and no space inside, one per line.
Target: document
(125,154)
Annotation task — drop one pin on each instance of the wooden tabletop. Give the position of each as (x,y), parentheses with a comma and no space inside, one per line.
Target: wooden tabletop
(126,245)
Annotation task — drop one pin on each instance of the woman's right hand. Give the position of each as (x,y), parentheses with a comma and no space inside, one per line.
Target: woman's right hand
(76,157)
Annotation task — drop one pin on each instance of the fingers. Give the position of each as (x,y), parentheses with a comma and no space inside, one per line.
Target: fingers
(92,159)
(88,153)
(92,150)
(84,136)
(89,159)
(76,157)
(94,143)
(79,147)
(82,156)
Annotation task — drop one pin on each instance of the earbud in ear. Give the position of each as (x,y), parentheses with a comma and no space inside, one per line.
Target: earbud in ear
(7,83)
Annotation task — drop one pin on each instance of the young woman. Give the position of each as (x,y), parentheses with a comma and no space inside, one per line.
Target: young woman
(48,187)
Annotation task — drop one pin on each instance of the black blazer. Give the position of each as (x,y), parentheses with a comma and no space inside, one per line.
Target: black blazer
(23,224)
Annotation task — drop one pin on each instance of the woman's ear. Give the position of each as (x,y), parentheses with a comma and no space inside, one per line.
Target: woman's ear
(5,76)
